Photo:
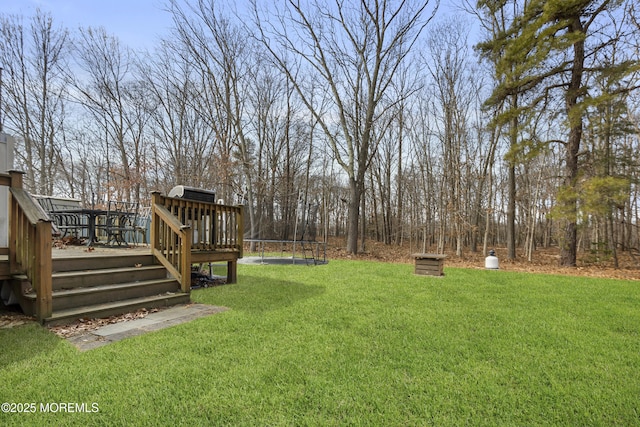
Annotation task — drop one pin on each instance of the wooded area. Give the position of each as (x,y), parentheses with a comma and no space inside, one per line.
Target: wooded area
(504,123)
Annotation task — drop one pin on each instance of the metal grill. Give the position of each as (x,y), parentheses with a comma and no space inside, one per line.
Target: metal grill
(192,193)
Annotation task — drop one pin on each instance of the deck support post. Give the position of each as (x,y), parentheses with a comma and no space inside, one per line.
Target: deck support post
(185,252)
(232,271)
(43,269)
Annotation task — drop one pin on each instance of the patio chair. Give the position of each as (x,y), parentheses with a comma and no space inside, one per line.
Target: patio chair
(62,223)
(120,220)
(47,206)
(142,225)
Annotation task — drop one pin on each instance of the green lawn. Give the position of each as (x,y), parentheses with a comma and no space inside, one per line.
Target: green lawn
(355,343)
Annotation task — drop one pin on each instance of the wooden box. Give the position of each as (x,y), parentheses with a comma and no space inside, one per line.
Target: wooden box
(429,264)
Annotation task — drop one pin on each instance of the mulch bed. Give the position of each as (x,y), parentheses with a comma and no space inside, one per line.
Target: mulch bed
(84,325)
(12,319)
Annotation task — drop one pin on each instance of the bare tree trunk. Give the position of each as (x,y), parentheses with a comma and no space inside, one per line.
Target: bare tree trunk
(534,213)
(353,215)
(363,222)
(399,223)
(569,248)
(511,182)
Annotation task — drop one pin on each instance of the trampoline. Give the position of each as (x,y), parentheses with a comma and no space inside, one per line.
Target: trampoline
(303,252)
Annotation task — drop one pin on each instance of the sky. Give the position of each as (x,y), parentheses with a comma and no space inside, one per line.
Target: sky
(137,23)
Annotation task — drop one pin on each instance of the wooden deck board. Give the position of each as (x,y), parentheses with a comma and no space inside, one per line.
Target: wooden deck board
(98,251)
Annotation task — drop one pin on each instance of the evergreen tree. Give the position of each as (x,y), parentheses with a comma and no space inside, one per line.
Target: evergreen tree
(546,58)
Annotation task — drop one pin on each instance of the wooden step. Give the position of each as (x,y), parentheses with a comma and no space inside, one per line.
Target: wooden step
(69,298)
(97,285)
(94,262)
(76,279)
(89,278)
(116,308)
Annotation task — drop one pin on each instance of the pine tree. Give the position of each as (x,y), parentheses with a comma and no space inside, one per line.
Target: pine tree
(546,58)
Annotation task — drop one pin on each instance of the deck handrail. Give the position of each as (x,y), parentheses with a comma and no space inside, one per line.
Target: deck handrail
(5,181)
(201,227)
(215,226)
(169,242)
(30,243)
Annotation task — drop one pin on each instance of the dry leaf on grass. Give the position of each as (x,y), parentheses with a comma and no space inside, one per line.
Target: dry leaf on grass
(84,325)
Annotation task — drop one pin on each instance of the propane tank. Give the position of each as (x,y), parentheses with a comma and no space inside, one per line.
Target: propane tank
(491,262)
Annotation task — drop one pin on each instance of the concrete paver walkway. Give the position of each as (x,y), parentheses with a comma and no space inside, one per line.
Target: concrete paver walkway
(152,322)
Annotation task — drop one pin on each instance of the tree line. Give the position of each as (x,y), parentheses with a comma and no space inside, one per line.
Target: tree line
(386,120)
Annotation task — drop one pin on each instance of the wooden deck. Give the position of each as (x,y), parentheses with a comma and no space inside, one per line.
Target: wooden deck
(56,284)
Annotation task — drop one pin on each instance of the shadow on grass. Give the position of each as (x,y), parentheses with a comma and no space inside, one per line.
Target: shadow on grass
(258,294)
(25,342)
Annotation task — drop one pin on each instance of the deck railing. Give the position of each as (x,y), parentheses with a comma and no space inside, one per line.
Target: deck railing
(182,228)
(29,242)
(5,181)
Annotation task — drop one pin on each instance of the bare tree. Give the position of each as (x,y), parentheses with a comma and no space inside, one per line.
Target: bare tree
(181,132)
(221,50)
(454,93)
(355,49)
(34,58)
(425,173)
(109,95)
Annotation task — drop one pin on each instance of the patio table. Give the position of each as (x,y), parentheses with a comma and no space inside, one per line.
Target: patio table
(91,215)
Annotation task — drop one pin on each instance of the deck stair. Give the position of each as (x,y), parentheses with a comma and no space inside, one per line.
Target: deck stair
(103,285)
